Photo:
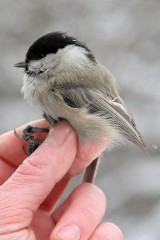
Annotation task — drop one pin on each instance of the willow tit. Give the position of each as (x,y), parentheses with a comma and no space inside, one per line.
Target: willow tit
(65,79)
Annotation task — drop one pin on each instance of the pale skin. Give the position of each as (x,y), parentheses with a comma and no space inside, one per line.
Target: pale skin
(30,187)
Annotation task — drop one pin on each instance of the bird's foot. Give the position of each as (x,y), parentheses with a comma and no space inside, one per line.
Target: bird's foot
(30,137)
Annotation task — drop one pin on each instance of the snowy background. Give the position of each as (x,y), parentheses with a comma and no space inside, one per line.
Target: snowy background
(125,37)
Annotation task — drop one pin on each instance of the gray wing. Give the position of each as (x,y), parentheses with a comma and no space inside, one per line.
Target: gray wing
(102,104)
(77,97)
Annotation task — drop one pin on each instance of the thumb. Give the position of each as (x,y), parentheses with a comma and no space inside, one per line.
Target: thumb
(34,179)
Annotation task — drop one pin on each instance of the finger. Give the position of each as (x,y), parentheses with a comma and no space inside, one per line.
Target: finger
(11,150)
(87,152)
(54,196)
(79,215)
(6,170)
(11,147)
(107,231)
(33,180)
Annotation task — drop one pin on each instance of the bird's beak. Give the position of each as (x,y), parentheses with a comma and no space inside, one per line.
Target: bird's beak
(21,65)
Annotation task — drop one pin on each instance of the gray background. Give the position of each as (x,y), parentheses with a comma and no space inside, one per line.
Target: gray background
(125,36)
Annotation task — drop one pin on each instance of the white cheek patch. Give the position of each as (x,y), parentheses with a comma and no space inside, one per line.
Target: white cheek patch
(74,56)
(48,62)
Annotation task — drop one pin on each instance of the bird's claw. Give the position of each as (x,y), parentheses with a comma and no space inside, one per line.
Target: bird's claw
(30,138)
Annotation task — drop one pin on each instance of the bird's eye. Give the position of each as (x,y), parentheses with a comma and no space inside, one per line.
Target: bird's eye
(42,55)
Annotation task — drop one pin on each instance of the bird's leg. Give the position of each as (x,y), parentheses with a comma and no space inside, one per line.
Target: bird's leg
(29,130)
(91,171)
(30,138)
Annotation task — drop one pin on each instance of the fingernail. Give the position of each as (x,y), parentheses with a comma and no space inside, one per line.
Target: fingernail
(69,232)
(59,133)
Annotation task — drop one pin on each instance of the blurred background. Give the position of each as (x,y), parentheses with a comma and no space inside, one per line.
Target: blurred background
(125,37)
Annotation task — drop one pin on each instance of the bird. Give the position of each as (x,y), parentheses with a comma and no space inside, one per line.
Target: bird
(64,78)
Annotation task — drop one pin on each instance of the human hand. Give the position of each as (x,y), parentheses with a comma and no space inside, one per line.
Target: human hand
(29,188)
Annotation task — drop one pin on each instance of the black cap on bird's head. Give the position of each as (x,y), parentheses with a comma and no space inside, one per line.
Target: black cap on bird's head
(51,43)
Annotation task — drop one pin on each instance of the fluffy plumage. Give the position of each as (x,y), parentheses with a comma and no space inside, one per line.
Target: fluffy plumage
(64,78)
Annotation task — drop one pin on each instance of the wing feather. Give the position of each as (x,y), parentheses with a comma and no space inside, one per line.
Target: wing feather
(113,111)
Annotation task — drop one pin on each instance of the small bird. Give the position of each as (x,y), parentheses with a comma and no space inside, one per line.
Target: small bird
(64,78)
